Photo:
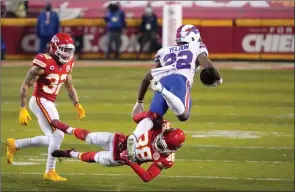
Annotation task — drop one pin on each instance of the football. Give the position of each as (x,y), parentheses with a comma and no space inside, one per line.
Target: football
(208,77)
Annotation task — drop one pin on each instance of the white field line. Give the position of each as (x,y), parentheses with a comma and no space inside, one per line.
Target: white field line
(211,146)
(24,163)
(235,134)
(175,176)
(34,159)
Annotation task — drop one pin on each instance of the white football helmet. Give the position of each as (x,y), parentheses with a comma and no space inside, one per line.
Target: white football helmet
(187,34)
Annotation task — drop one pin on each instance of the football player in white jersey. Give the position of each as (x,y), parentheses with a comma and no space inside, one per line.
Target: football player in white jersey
(171,79)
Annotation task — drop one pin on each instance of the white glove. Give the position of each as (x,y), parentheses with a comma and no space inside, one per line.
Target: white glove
(138,108)
(216,83)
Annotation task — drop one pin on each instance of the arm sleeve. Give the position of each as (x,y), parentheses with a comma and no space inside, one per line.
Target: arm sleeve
(146,175)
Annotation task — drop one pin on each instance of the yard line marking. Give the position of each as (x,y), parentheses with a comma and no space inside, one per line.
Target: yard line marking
(181,160)
(24,163)
(235,134)
(208,146)
(175,176)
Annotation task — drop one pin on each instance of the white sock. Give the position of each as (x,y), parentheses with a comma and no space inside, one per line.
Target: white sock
(70,130)
(142,127)
(54,145)
(75,154)
(32,142)
(174,103)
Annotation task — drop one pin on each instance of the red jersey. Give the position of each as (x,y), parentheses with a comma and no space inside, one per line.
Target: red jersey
(49,84)
(145,151)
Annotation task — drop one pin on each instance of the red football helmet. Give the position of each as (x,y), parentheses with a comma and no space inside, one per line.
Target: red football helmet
(170,140)
(62,47)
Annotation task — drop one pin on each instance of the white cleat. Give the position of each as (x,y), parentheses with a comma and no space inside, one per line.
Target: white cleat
(131,148)
(156,86)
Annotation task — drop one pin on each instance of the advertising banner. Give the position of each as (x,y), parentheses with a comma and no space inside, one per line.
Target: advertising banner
(253,39)
(222,9)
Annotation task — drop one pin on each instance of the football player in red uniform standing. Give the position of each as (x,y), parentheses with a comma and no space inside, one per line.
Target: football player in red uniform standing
(48,73)
(158,145)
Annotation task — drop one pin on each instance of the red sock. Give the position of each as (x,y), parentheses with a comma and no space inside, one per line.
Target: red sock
(59,125)
(81,133)
(87,157)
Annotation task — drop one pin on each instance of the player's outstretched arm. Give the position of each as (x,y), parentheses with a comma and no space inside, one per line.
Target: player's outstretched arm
(205,62)
(74,96)
(146,175)
(138,107)
(32,75)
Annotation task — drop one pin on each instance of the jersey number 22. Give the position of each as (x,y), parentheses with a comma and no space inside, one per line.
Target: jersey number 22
(183,59)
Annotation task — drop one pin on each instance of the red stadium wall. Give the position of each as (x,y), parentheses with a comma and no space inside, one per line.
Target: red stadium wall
(257,39)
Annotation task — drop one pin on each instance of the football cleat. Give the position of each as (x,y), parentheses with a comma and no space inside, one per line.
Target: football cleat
(62,153)
(131,148)
(11,149)
(53,176)
(156,86)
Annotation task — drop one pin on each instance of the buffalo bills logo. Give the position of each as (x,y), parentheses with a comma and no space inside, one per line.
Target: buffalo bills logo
(192,29)
(178,35)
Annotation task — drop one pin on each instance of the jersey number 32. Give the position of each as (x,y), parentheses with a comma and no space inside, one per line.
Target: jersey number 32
(55,85)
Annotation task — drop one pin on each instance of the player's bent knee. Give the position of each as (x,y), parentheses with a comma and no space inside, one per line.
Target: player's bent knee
(90,138)
(184,116)
(58,134)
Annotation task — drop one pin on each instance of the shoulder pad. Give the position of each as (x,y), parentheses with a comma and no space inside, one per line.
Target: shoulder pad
(40,60)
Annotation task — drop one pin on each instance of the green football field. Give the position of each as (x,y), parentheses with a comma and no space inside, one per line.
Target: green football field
(240,136)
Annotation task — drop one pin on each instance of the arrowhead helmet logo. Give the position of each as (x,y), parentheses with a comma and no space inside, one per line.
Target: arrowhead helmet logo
(54,39)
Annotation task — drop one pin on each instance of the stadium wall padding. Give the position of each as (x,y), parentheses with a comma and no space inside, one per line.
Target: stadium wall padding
(254,39)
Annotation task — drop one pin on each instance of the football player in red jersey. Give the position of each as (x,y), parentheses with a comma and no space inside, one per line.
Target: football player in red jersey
(48,73)
(158,145)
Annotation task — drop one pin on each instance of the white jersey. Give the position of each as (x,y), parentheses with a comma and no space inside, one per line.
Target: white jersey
(179,59)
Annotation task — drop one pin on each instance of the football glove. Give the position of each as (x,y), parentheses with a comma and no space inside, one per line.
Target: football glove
(80,110)
(24,116)
(124,157)
(138,108)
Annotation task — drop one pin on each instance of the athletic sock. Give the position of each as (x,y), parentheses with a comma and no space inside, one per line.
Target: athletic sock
(32,142)
(54,145)
(142,127)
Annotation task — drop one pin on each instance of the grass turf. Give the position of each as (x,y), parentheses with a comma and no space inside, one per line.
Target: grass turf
(240,135)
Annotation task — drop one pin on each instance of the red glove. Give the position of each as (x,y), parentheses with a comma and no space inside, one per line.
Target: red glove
(124,157)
